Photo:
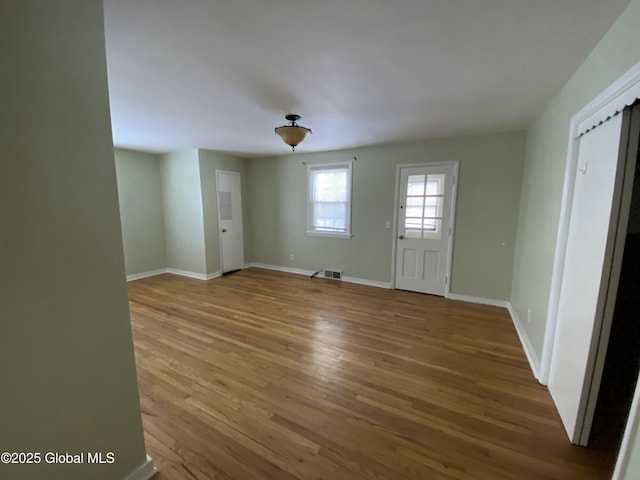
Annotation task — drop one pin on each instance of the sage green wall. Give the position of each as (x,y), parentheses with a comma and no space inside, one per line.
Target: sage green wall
(183,215)
(210,161)
(546,152)
(141,211)
(545,159)
(69,378)
(169,209)
(486,213)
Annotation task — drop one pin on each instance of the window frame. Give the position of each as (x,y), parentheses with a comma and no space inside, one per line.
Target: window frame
(311,169)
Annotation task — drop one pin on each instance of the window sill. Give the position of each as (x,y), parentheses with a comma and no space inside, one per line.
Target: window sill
(346,236)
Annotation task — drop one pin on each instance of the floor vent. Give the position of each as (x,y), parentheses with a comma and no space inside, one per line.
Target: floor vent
(334,274)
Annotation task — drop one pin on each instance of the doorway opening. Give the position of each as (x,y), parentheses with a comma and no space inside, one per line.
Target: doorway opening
(622,361)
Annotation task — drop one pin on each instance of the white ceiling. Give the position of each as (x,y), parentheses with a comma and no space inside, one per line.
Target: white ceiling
(221,74)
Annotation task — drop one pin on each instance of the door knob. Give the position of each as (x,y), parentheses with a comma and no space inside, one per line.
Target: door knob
(224,230)
(401,237)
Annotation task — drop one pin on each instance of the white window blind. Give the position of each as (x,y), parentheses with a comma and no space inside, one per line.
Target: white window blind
(329,187)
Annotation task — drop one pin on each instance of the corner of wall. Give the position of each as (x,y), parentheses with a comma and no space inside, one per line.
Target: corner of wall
(529,351)
(144,471)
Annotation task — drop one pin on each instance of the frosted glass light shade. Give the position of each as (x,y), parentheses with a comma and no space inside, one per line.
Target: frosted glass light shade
(292,134)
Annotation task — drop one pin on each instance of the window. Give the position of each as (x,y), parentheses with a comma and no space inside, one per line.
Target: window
(425,197)
(329,200)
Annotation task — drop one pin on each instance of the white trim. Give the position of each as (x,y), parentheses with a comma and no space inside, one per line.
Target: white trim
(174,271)
(364,281)
(210,276)
(629,437)
(620,94)
(394,226)
(308,273)
(144,471)
(151,273)
(529,351)
(345,236)
(185,273)
(595,112)
(297,271)
(452,226)
(478,300)
(311,168)
(394,244)
(560,254)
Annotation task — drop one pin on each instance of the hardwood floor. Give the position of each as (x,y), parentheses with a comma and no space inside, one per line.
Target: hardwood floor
(267,375)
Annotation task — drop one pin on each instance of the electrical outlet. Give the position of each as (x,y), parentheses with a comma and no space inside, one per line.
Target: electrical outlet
(528,315)
(291,257)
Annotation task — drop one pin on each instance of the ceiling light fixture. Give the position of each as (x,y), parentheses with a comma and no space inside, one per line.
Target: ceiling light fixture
(292,134)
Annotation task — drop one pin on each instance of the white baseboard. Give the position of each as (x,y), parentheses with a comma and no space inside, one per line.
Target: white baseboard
(534,362)
(297,271)
(478,300)
(152,273)
(308,273)
(197,276)
(183,273)
(364,281)
(144,471)
(210,276)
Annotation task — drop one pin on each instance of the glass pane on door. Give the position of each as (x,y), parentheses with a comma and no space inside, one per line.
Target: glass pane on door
(424,206)
(415,185)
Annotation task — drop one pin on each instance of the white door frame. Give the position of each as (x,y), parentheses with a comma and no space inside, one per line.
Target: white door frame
(619,94)
(612,151)
(394,246)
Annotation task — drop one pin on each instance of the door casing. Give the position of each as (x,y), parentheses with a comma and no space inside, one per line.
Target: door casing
(592,265)
(394,247)
(621,93)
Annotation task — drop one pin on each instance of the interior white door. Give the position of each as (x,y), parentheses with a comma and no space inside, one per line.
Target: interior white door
(425,211)
(230,220)
(586,275)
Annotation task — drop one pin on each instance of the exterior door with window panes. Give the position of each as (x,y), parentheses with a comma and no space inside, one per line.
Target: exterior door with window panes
(424,221)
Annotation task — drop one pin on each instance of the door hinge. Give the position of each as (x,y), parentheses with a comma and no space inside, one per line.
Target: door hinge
(449,231)
(446,280)
(454,179)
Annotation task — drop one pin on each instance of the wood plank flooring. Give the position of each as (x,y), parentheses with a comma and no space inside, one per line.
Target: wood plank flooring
(267,375)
